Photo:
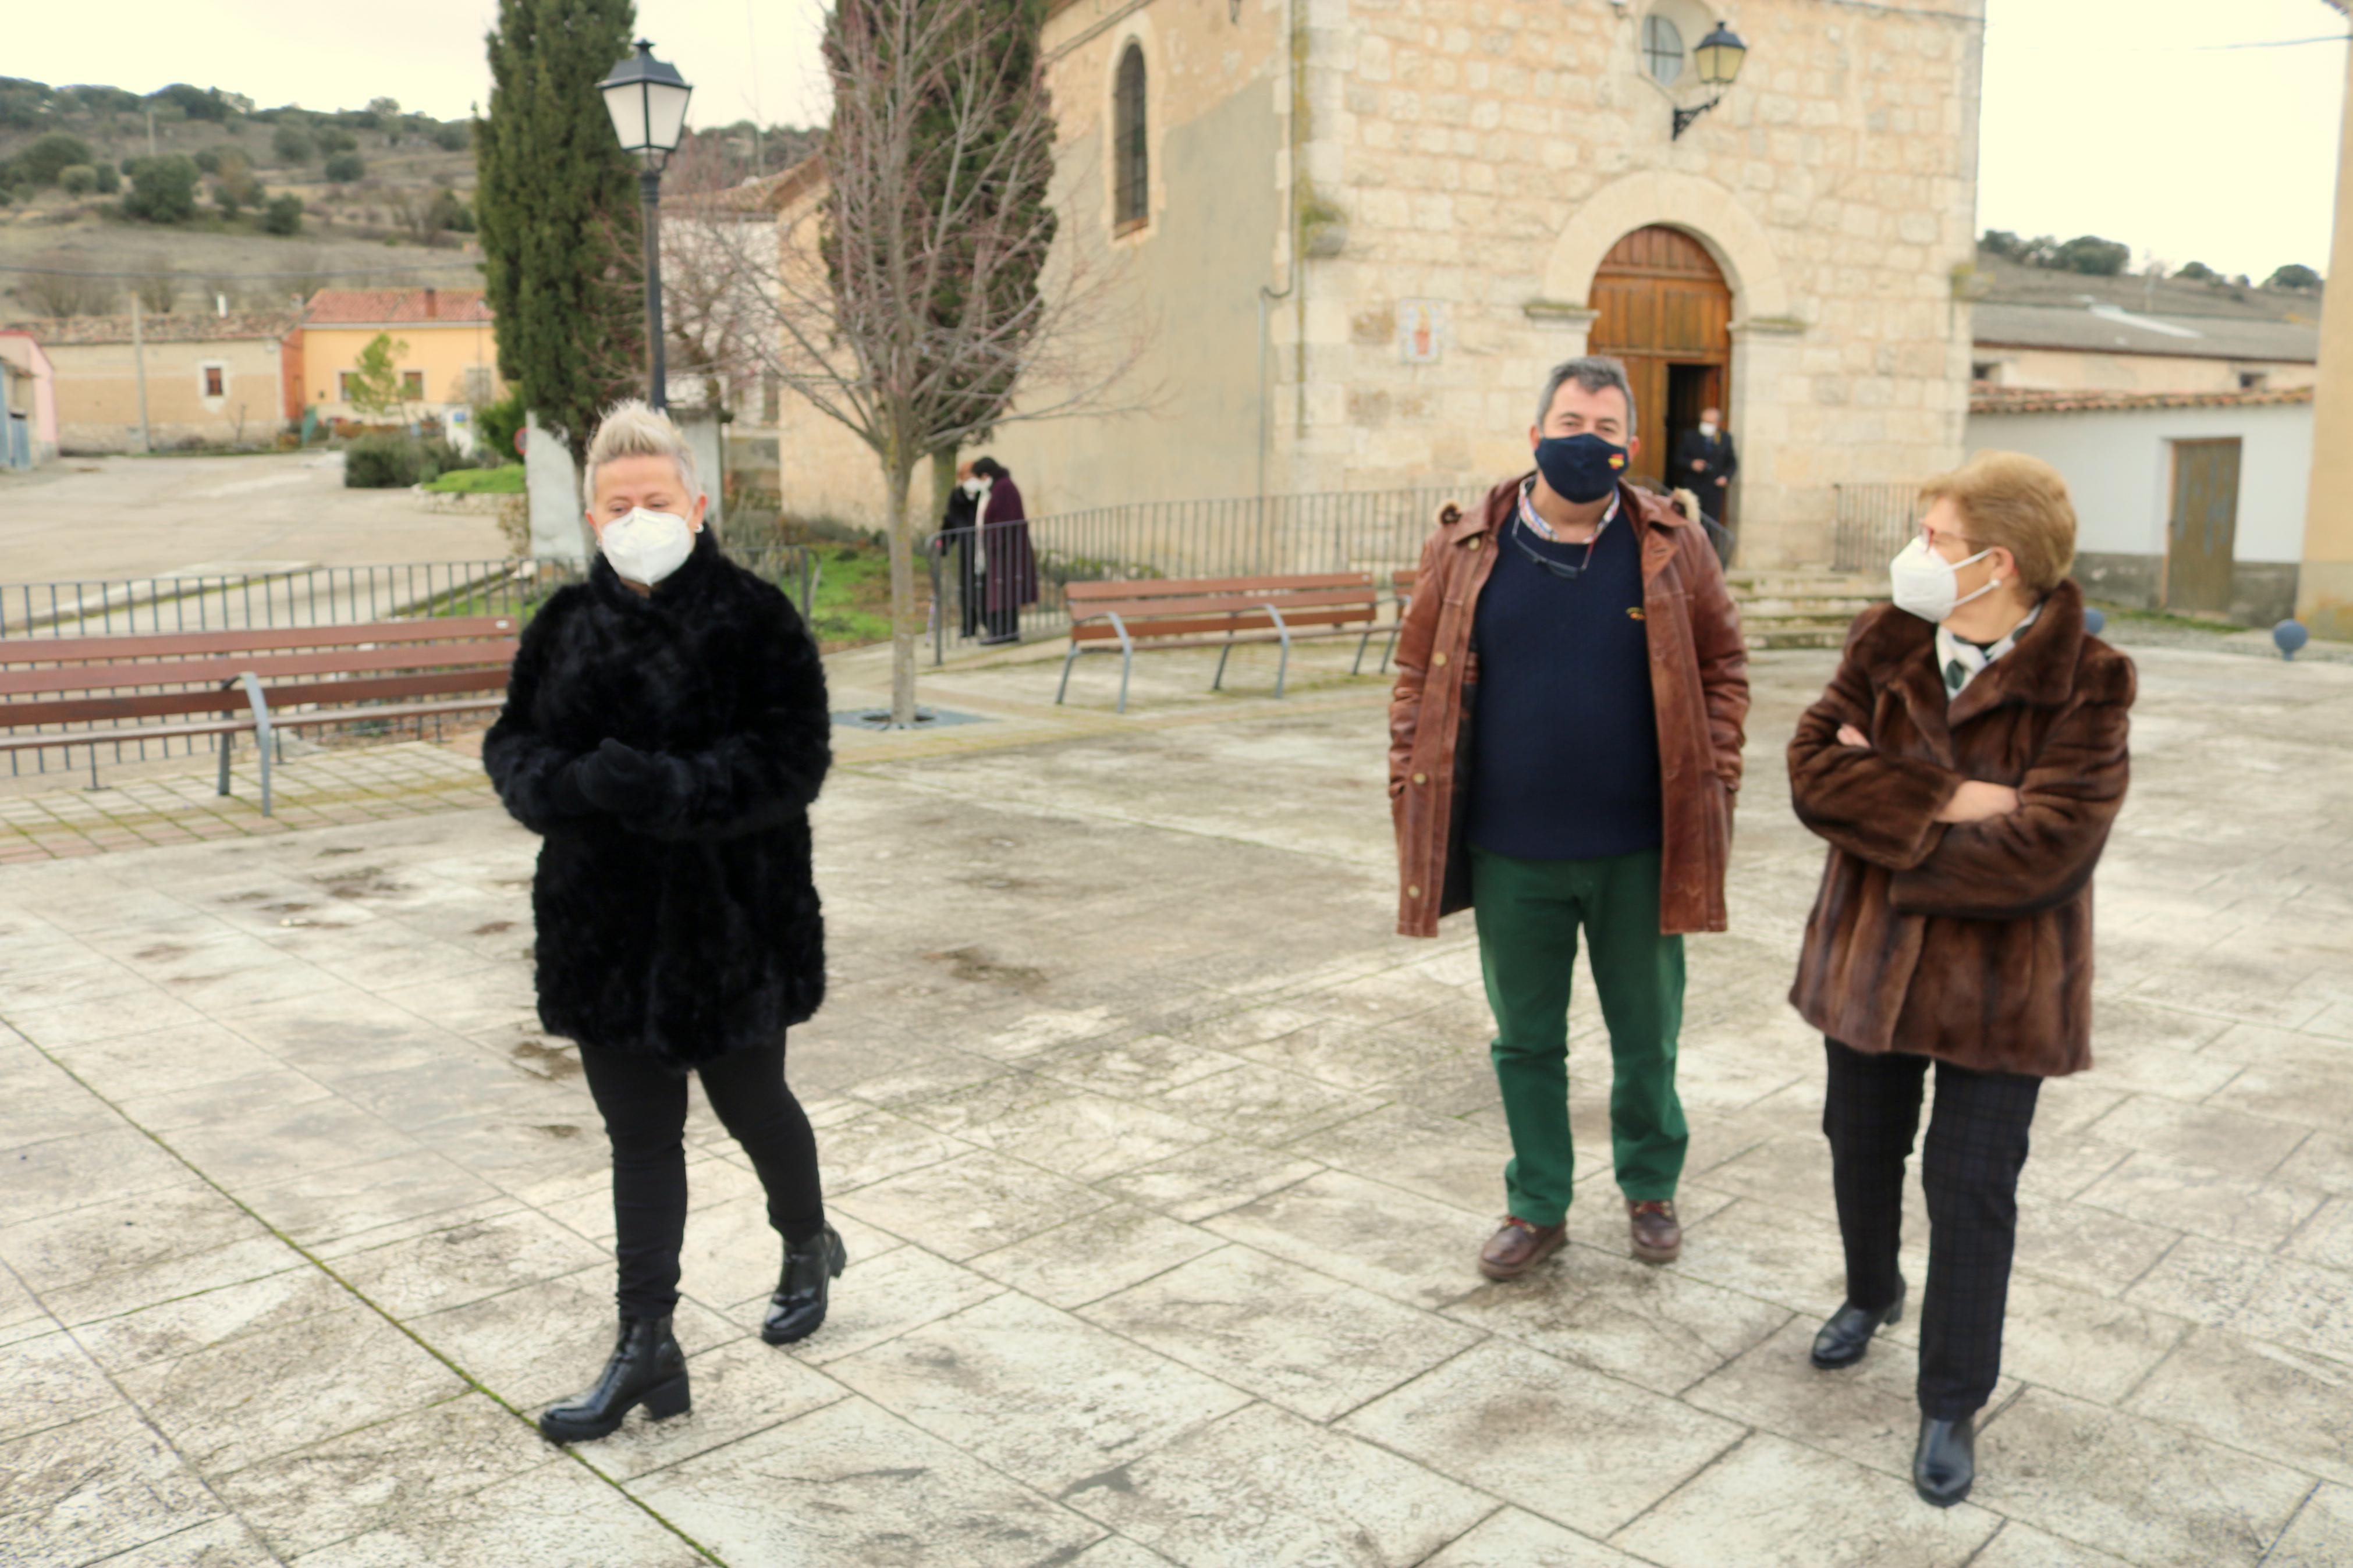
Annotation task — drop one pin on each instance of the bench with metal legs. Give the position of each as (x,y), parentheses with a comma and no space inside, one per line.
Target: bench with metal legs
(1126,662)
(1222,613)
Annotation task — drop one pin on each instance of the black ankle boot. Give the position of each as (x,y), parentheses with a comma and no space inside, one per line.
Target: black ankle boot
(797,1309)
(1945,1465)
(1846,1335)
(648,1368)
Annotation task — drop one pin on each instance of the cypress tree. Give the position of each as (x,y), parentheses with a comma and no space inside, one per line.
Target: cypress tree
(556,205)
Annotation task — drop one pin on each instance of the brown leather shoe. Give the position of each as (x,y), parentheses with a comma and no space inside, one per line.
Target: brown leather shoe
(1658,1235)
(1518,1247)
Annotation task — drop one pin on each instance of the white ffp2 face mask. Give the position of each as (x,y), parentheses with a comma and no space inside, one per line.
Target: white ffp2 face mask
(647,546)
(1928,585)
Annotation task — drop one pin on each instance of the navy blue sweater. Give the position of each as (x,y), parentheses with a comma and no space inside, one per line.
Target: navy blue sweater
(1564,745)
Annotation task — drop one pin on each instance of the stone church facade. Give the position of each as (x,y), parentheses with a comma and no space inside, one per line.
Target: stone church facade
(1355,233)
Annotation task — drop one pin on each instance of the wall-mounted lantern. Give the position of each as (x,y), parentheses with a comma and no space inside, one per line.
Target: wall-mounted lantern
(1719,57)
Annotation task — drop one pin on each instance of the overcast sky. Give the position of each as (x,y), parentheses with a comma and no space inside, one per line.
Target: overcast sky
(2124,118)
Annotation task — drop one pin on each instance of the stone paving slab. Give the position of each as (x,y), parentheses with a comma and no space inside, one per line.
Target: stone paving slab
(1161,1163)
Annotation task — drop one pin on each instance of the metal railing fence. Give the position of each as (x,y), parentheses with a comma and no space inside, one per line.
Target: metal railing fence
(310,597)
(1340,530)
(1874,522)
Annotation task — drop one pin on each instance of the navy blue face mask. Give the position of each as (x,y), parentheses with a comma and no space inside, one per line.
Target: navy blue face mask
(1581,468)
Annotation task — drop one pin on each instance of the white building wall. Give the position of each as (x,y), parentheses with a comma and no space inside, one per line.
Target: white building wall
(2119,466)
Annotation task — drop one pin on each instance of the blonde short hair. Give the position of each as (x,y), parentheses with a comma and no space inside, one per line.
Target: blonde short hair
(2017,503)
(633,428)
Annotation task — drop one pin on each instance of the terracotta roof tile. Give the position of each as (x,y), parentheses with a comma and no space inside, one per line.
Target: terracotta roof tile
(2037,400)
(396,308)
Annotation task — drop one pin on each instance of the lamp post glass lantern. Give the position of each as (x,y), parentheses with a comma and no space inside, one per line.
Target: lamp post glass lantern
(647,99)
(1719,57)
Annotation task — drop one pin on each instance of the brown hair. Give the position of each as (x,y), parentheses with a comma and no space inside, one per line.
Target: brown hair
(2011,501)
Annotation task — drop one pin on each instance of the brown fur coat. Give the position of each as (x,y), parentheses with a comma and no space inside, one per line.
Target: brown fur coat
(1969,943)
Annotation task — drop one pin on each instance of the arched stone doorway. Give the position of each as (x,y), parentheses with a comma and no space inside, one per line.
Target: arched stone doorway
(1662,305)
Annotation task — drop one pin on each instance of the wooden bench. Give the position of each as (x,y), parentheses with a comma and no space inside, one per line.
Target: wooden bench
(265,680)
(1401,595)
(1212,612)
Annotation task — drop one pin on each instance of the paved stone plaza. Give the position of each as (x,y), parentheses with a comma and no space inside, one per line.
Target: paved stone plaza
(1161,1163)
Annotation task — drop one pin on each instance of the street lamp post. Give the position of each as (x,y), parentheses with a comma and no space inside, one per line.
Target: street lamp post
(647,99)
(1718,56)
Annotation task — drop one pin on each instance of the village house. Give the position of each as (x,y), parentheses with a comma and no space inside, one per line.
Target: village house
(1358,234)
(211,380)
(443,351)
(28,402)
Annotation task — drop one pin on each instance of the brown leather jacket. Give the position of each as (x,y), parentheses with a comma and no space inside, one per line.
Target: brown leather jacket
(1699,677)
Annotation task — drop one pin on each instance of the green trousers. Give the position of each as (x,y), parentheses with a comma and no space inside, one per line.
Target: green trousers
(1528,913)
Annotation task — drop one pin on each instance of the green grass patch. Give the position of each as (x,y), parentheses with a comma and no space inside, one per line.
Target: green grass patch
(504,480)
(853,594)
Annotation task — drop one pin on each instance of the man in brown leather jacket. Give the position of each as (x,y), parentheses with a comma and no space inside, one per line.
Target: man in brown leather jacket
(1563,752)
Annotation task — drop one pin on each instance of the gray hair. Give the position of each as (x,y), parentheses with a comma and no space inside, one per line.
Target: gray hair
(633,428)
(1595,373)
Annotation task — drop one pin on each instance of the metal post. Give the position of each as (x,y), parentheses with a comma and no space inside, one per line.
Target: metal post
(139,367)
(650,187)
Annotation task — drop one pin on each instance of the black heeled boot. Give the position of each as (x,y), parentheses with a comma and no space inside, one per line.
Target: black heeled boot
(648,1368)
(797,1309)
(1945,1465)
(1846,1335)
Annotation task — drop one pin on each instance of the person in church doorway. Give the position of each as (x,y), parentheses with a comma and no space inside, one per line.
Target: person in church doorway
(1564,752)
(1704,464)
(1007,566)
(1964,766)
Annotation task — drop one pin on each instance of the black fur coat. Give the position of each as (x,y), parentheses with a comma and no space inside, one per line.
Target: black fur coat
(692,928)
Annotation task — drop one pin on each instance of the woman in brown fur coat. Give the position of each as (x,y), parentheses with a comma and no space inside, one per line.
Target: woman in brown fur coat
(1964,766)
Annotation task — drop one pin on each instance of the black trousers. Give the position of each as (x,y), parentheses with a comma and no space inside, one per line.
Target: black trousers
(644,1106)
(1977,1145)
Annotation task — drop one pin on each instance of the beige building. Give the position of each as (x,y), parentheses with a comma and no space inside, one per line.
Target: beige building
(2095,346)
(444,350)
(211,380)
(1355,235)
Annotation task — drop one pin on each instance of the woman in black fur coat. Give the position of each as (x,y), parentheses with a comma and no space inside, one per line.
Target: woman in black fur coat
(665,733)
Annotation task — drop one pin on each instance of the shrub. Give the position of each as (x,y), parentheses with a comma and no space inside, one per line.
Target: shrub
(282,214)
(194,102)
(384,462)
(208,161)
(77,179)
(455,137)
(496,423)
(345,167)
(109,180)
(163,190)
(293,145)
(49,156)
(336,139)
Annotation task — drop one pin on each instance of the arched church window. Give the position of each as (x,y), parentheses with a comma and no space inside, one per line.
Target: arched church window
(1662,48)
(1130,166)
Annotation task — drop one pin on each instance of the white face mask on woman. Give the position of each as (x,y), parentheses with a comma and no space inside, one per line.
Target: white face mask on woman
(1928,585)
(647,546)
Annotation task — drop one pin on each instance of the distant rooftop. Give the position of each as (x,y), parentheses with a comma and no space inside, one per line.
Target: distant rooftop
(2102,327)
(195,327)
(395,307)
(2036,400)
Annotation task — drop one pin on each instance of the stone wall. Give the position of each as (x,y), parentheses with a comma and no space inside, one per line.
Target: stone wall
(1484,159)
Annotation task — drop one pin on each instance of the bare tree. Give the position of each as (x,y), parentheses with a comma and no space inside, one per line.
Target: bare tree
(61,284)
(916,295)
(718,237)
(159,289)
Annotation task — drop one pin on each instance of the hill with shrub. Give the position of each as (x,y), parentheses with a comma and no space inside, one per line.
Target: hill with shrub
(196,193)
